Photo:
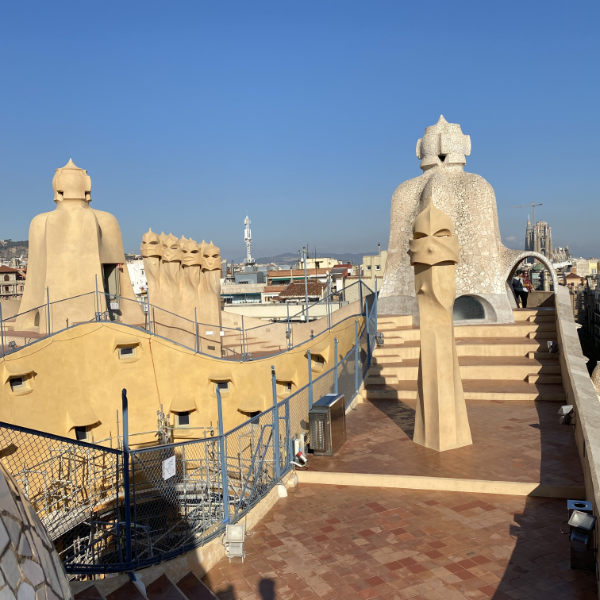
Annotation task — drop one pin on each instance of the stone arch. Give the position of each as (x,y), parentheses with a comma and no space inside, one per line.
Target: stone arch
(540,258)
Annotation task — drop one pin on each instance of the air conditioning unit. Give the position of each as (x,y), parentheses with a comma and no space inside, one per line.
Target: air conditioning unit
(327,423)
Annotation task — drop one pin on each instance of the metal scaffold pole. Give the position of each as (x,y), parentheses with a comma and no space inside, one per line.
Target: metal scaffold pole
(126,491)
(310,383)
(335,347)
(275,425)
(97,302)
(356,355)
(48,309)
(224,481)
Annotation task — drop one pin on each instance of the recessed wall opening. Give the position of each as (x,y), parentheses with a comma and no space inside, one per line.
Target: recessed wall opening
(317,362)
(468,308)
(36,319)
(18,383)
(81,434)
(222,386)
(284,388)
(183,419)
(127,352)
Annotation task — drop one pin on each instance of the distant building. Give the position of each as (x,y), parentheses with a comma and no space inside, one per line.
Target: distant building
(562,254)
(319,263)
(538,238)
(138,277)
(581,267)
(12,283)
(251,275)
(288,276)
(296,292)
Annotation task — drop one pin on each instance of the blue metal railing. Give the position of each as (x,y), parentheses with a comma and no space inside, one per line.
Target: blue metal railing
(114,510)
(239,344)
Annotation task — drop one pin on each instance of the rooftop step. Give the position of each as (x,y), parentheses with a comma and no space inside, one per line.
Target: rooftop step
(164,589)
(524,314)
(516,330)
(542,378)
(128,591)
(470,347)
(90,593)
(510,368)
(386,323)
(194,589)
(489,389)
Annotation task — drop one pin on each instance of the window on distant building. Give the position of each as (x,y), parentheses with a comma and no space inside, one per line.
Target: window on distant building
(377,267)
(6,278)
(223,386)
(368,267)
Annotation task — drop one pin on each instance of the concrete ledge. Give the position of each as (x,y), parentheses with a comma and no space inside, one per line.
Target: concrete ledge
(443,484)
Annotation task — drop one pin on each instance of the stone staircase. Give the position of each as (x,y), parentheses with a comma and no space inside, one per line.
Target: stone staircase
(163,587)
(497,362)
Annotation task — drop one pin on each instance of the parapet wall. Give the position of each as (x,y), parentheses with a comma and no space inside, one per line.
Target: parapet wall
(581,394)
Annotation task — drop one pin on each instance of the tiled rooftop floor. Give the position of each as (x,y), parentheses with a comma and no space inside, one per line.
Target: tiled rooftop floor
(370,543)
(512,441)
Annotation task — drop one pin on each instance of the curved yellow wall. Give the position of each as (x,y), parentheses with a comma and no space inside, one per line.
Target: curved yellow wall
(76,377)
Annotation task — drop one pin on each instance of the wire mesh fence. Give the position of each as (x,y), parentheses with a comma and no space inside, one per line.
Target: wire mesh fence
(248,342)
(179,495)
(76,490)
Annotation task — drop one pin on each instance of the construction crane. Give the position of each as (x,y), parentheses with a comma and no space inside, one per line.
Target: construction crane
(533,205)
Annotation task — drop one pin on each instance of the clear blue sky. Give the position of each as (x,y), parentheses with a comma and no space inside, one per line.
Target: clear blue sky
(306,114)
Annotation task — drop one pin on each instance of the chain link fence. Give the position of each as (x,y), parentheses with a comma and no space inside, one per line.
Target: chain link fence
(179,495)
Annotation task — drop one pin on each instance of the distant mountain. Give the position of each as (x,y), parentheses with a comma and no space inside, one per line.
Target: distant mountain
(288,258)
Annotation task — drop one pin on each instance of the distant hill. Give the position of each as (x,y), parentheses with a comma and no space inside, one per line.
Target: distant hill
(10,249)
(288,258)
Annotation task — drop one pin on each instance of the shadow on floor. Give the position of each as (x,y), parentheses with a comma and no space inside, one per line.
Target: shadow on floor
(401,414)
(266,591)
(540,542)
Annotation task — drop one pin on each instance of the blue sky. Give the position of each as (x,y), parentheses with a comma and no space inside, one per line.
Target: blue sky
(305,114)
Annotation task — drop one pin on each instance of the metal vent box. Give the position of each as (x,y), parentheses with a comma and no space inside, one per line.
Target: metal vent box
(327,422)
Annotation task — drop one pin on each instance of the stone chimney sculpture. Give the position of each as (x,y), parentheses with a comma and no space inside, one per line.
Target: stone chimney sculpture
(72,247)
(184,284)
(441,421)
(485,262)
(210,286)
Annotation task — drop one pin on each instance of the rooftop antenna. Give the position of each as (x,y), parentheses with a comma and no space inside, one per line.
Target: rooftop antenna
(248,239)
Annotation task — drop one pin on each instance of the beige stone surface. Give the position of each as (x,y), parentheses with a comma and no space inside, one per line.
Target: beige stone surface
(184,284)
(68,248)
(485,263)
(446,484)
(441,420)
(30,565)
(86,362)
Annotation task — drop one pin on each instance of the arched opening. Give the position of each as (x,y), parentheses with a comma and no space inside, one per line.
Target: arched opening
(539,277)
(36,319)
(468,308)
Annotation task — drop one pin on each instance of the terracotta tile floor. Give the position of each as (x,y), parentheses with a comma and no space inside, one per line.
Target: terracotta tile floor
(512,441)
(372,543)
